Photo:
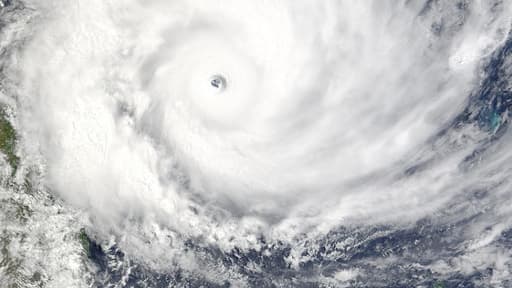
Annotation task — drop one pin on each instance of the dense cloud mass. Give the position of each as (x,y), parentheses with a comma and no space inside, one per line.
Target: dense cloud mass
(244,126)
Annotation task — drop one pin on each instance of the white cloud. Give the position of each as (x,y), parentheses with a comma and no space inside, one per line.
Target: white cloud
(325,105)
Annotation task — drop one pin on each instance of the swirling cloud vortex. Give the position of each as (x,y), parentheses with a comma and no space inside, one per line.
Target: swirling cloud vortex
(321,104)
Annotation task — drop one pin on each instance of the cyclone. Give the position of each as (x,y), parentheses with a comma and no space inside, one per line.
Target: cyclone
(298,131)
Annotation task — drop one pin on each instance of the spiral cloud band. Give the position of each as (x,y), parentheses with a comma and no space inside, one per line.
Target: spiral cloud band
(229,122)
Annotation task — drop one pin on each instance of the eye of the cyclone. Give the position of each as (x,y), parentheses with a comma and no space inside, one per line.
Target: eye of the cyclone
(218,82)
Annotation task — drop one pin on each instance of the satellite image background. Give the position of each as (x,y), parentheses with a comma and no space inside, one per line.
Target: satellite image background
(255,143)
